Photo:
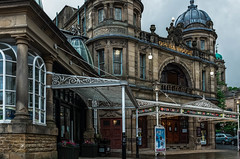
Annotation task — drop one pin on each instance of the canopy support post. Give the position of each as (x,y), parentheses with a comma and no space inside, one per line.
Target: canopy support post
(123,125)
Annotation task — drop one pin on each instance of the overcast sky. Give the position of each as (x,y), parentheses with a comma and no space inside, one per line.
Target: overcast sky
(225,15)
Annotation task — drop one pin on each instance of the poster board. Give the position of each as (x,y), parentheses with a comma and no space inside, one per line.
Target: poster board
(160,139)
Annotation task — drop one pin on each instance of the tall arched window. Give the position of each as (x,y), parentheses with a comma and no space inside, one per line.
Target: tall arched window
(7,83)
(37,85)
(37,89)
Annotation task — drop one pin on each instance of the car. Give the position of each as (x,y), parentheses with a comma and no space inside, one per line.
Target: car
(222,138)
(234,140)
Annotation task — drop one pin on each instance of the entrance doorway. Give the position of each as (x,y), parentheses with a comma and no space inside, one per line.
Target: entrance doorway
(142,125)
(176,129)
(111,129)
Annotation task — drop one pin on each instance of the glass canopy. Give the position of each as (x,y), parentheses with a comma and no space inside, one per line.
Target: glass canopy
(106,92)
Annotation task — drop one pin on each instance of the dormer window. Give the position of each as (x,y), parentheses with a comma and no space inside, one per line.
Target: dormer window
(118,14)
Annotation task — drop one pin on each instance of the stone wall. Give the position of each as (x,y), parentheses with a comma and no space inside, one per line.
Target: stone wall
(18,146)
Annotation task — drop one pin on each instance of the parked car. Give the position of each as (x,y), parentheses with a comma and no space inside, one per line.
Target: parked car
(224,138)
(234,140)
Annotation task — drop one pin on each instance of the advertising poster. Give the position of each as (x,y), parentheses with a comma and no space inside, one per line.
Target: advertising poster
(160,139)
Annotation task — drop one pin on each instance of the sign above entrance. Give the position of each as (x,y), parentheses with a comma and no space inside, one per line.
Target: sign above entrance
(176,48)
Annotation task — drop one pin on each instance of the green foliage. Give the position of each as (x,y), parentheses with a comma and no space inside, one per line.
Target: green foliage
(227,128)
(233,88)
(220,94)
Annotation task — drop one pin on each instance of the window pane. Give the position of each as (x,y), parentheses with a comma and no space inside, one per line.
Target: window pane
(117,61)
(1,67)
(10,113)
(36,102)
(202,45)
(10,83)
(1,113)
(42,77)
(37,88)
(10,98)
(30,71)
(42,103)
(42,117)
(1,98)
(30,100)
(30,114)
(42,90)
(117,68)
(30,59)
(100,15)
(11,68)
(36,74)
(37,116)
(118,14)
(9,54)
(1,82)
(30,85)
(2,46)
(101,62)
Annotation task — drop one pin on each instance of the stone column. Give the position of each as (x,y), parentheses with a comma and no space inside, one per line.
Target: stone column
(22,114)
(89,133)
(191,133)
(105,8)
(111,11)
(49,92)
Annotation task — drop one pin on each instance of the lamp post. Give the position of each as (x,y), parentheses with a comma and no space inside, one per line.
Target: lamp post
(156,88)
(238,102)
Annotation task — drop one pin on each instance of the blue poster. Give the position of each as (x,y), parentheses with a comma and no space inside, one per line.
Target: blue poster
(160,139)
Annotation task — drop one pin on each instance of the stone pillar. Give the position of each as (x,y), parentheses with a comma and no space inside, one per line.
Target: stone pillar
(111,11)
(89,133)
(49,92)
(21,114)
(191,132)
(105,11)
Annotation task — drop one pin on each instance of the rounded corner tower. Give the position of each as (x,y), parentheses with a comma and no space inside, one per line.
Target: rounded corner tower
(197,26)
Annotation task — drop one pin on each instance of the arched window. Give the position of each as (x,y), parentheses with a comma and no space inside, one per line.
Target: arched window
(37,89)
(37,85)
(173,74)
(7,83)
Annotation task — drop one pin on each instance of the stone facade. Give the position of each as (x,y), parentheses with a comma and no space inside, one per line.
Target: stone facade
(21,138)
(198,64)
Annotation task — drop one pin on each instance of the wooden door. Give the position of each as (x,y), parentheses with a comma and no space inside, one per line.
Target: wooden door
(111,129)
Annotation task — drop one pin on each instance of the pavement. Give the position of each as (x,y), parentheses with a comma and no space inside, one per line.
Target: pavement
(177,154)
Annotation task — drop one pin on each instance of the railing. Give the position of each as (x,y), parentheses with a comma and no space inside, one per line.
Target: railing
(175,88)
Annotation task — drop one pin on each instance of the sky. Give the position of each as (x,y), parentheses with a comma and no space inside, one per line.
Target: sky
(225,15)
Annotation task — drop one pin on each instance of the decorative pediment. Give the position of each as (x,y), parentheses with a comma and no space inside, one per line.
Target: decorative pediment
(203,103)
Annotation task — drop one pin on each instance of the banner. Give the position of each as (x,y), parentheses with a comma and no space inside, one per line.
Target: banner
(160,139)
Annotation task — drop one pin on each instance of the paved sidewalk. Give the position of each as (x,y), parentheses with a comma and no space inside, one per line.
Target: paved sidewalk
(147,153)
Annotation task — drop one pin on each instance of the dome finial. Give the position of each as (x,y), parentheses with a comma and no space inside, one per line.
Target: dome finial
(192,2)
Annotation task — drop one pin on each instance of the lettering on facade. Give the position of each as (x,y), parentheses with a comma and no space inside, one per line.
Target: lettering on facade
(176,48)
(110,30)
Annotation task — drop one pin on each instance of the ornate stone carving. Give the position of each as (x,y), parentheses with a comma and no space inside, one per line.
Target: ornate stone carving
(110,30)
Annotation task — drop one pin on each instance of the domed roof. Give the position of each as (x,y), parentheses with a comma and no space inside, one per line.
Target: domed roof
(193,15)
(218,56)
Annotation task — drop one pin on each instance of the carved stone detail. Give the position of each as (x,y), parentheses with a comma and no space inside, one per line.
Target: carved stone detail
(110,30)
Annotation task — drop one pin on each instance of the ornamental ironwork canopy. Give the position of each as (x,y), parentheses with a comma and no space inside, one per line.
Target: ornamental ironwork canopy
(106,92)
(200,108)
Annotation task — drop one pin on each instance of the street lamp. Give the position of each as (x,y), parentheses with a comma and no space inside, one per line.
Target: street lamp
(156,88)
(238,102)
